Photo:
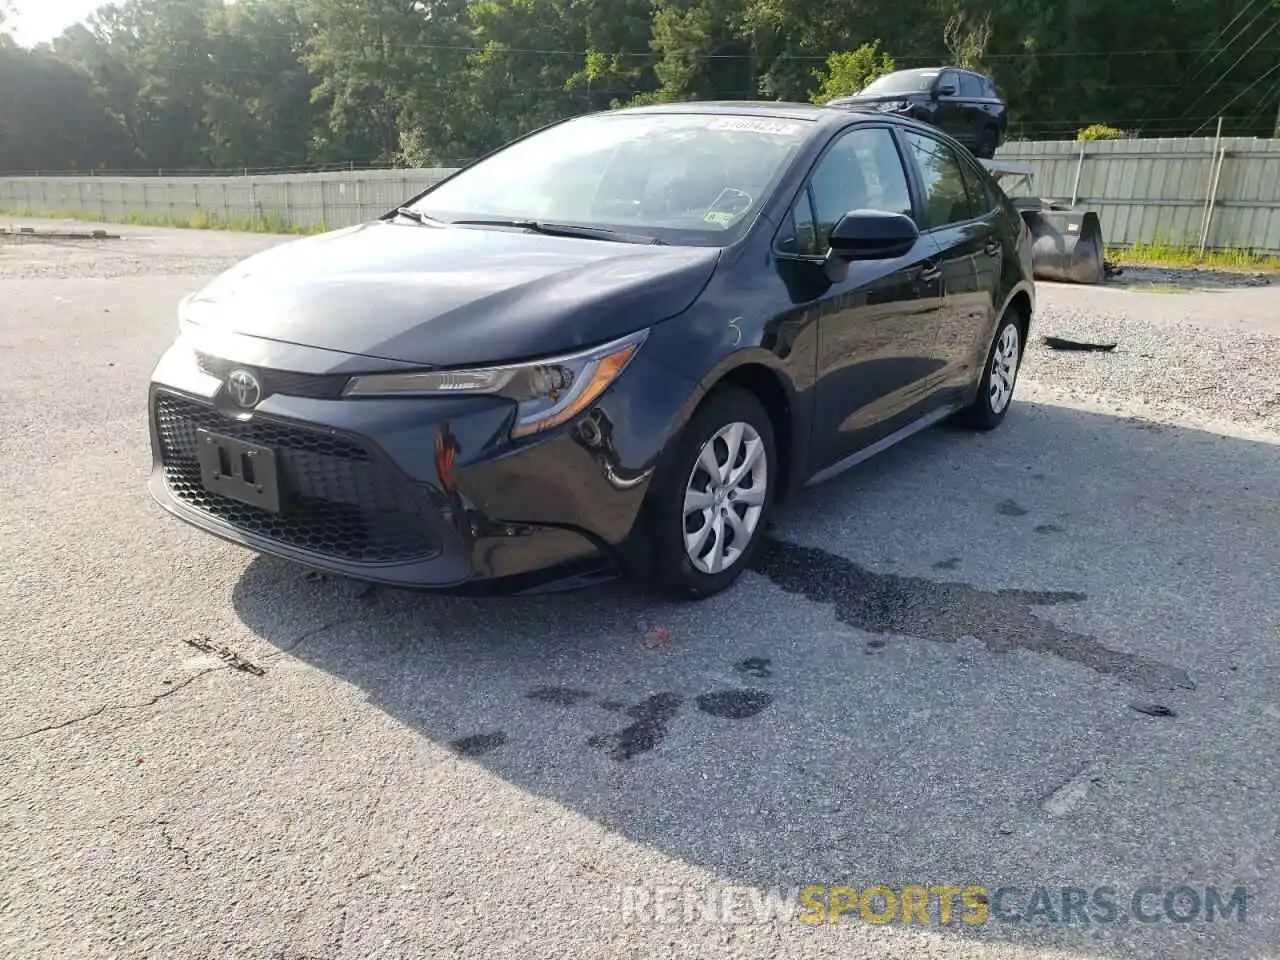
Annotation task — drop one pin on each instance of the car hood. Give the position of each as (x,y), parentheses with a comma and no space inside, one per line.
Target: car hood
(450,296)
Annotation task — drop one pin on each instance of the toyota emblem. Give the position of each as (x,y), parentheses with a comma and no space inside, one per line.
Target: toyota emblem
(244,388)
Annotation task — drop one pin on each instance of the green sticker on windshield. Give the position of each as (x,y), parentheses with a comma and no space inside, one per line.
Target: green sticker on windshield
(728,207)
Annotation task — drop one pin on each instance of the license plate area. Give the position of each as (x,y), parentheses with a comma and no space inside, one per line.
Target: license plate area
(241,471)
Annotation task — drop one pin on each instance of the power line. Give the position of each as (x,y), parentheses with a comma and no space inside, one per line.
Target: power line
(1220,35)
(1265,6)
(1262,106)
(650,54)
(1239,60)
(1257,81)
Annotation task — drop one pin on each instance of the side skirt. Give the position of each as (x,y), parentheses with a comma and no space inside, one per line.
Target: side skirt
(883,444)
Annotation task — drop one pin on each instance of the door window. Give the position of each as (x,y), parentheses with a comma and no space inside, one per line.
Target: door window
(946,199)
(970,86)
(862,171)
(980,199)
(949,79)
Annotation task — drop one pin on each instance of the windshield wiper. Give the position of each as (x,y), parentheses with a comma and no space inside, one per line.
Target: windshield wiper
(417,217)
(564,230)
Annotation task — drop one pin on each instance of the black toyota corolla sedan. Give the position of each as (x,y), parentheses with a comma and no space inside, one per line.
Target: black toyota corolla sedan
(608,348)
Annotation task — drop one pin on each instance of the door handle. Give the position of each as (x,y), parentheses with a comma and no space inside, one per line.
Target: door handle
(929,272)
(992,248)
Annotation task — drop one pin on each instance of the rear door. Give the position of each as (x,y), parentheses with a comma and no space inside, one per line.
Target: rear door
(973,109)
(966,240)
(878,363)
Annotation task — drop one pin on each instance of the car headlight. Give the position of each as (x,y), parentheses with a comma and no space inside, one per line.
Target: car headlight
(547,392)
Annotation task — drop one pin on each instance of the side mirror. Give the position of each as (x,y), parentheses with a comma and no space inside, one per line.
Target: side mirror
(873,235)
(868,235)
(946,90)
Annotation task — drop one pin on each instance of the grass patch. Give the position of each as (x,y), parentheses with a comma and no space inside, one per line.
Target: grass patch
(1160,254)
(271,224)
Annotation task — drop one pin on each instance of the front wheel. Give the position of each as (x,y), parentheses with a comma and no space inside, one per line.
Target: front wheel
(717,496)
(995,389)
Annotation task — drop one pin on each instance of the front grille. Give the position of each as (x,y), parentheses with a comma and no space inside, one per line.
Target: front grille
(310,385)
(343,502)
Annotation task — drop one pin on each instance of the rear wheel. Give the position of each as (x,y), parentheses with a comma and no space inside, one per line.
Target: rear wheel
(711,513)
(999,376)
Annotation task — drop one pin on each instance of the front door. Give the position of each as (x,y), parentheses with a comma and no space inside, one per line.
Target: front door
(878,361)
(963,224)
(949,110)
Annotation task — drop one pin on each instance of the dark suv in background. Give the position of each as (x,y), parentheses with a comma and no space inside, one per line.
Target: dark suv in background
(962,103)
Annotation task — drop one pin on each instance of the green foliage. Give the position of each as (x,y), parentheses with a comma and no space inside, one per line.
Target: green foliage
(1100,131)
(259,84)
(1157,253)
(848,72)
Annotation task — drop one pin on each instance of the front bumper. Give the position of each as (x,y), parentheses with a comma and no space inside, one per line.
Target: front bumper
(418,492)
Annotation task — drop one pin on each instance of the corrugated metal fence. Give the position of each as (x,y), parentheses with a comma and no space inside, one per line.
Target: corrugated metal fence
(296,200)
(1168,190)
(1143,190)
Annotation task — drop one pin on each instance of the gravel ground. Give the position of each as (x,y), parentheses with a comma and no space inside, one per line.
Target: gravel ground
(1061,673)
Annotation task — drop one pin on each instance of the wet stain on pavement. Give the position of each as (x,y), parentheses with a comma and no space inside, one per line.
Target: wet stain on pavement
(946,611)
(875,645)
(479,744)
(559,696)
(1047,528)
(613,706)
(1009,508)
(755,666)
(650,728)
(948,564)
(734,704)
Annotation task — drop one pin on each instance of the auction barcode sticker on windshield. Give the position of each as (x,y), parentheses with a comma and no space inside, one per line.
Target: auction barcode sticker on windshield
(779,128)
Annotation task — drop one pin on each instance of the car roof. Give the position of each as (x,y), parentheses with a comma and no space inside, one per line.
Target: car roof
(822,116)
(818,114)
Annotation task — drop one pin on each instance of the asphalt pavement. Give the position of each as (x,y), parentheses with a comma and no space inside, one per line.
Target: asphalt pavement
(1044,657)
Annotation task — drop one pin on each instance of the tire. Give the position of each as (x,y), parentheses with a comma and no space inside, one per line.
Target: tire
(999,376)
(988,140)
(682,567)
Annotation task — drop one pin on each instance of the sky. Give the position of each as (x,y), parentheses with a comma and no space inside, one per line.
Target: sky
(35,21)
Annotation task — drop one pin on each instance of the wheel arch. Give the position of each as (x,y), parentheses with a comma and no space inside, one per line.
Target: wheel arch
(1021,299)
(762,374)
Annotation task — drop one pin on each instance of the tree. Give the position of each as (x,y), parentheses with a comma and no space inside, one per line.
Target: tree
(54,118)
(848,72)
(966,40)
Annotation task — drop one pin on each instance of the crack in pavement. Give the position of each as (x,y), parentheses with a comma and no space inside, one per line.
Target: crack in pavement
(181,685)
(112,708)
(173,844)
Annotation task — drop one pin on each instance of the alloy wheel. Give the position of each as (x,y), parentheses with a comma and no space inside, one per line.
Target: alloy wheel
(1004,368)
(725,497)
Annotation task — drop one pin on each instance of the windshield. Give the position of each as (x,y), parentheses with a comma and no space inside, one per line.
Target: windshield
(682,178)
(904,81)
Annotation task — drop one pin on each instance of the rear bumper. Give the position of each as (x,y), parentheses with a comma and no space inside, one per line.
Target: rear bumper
(419,492)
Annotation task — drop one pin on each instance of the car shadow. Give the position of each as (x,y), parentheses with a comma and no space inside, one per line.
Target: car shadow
(906,688)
